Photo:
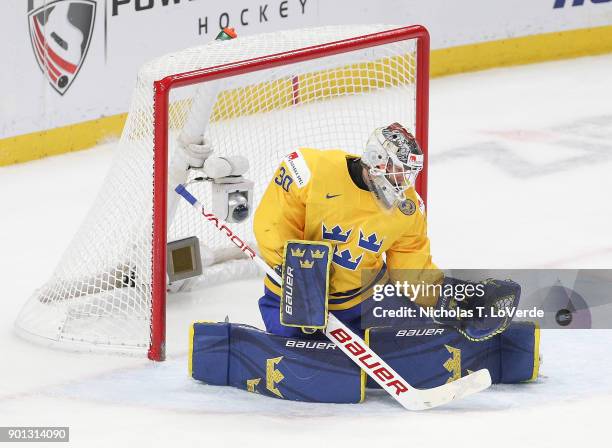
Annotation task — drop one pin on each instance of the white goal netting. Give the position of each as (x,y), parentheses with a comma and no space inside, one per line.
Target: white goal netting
(99,296)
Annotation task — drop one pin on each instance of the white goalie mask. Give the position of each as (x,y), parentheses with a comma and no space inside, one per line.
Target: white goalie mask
(393,159)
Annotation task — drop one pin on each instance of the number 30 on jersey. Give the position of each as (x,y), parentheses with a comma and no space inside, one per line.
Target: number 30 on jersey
(283,179)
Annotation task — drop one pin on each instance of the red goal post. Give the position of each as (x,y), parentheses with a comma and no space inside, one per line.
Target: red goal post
(162,89)
(260,97)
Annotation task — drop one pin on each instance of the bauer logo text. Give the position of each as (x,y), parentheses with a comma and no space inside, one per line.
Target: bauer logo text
(367,359)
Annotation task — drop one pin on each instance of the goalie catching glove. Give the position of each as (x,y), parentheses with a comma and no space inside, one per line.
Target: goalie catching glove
(476,315)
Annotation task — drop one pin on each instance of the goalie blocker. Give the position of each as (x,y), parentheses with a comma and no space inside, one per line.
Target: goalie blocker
(305,285)
(245,357)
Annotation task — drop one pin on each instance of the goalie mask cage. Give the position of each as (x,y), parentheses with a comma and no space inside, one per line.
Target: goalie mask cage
(326,87)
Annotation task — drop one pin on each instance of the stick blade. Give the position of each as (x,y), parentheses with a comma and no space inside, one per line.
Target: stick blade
(463,387)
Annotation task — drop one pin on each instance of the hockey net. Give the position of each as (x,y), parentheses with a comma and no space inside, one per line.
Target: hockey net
(321,87)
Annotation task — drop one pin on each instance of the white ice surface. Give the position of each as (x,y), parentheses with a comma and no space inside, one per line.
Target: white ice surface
(520,163)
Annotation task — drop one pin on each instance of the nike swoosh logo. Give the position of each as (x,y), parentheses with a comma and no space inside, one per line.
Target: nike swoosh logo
(330,196)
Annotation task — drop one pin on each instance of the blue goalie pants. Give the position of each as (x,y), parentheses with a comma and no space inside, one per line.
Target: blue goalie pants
(357,318)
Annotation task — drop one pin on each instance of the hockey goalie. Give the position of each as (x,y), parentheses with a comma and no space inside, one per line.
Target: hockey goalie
(338,226)
(368,210)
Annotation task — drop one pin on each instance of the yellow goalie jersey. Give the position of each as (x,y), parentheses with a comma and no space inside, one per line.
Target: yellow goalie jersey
(312,197)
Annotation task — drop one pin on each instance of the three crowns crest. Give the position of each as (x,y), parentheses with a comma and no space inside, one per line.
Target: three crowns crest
(317,254)
(298,253)
(370,243)
(305,264)
(336,234)
(345,259)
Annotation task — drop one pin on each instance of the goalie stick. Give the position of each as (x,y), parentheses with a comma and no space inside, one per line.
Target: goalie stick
(355,348)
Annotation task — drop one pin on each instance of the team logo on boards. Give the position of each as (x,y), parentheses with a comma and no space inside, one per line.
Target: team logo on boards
(60,34)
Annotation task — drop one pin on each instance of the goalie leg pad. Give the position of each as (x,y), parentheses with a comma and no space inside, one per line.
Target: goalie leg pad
(245,357)
(430,356)
(305,284)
